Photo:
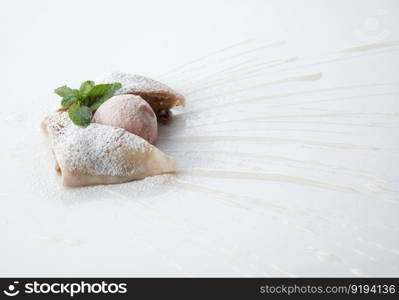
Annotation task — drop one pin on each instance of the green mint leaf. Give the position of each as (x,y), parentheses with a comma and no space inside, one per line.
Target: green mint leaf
(80,114)
(85,88)
(101,93)
(83,102)
(69,100)
(97,92)
(65,91)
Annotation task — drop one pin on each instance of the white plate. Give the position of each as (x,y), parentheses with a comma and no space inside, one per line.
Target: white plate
(287,149)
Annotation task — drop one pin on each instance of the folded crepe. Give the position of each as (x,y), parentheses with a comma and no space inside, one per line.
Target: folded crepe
(100,154)
(160,97)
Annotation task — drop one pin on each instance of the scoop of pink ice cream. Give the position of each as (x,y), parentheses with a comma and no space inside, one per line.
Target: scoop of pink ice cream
(131,113)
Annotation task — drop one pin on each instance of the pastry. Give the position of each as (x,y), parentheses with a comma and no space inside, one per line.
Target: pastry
(100,154)
(103,133)
(161,97)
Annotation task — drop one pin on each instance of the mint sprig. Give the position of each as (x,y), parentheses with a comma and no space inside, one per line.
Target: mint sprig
(82,103)
(80,114)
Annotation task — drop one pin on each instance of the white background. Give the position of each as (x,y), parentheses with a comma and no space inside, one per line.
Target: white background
(193,225)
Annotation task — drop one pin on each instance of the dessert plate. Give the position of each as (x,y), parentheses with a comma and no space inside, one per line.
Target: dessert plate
(287,159)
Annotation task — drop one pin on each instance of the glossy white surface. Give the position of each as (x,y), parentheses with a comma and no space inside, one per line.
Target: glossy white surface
(298,176)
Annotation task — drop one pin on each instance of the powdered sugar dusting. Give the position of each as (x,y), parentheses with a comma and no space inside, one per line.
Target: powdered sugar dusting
(138,84)
(100,150)
(149,186)
(95,149)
